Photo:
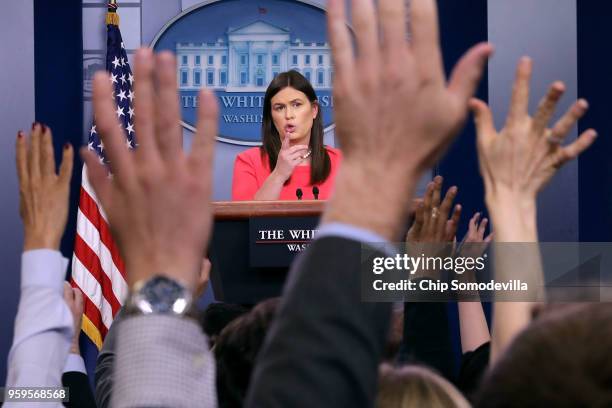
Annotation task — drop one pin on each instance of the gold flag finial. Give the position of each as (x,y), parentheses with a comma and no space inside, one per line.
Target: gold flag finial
(111,15)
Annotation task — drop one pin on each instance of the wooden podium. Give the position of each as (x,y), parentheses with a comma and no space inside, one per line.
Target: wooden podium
(233,278)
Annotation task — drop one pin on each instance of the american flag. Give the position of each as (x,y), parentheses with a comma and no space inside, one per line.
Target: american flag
(97,269)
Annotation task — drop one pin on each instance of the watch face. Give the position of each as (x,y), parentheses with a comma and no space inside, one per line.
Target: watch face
(162,295)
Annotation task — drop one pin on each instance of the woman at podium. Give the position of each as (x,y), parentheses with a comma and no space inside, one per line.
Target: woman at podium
(292,163)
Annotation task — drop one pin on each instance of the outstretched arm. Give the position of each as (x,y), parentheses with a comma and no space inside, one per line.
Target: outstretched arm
(384,155)
(44,324)
(515,164)
(472,322)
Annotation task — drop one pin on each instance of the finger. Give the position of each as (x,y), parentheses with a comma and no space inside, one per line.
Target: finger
(78,300)
(568,120)
(419,214)
(427,198)
(21,153)
(425,39)
(205,270)
(202,150)
(97,174)
(447,203)
(574,149)
(417,225)
(427,204)
(65,170)
(366,34)
(47,157)
(473,225)
(144,104)
(466,75)
(392,21)
(547,106)
(519,103)
(482,227)
(414,233)
(453,223)
(340,41)
(298,148)
(437,189)
(483,118)
(68,297)
(449,231)
(488,238)
(286,143)
(109,130)
(296,155)
(34,154)
(167,130)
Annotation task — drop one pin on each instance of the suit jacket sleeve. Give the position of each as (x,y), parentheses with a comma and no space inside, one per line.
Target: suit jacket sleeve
(324,347)
(78,389)
(162,361)
(105,363)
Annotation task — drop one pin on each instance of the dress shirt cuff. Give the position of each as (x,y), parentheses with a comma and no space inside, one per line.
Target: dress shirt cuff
(75,362)
(338,229)
(43,267)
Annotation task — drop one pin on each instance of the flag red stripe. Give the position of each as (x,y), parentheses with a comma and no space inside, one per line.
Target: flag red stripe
(92,312)
(91,261)
(90,209)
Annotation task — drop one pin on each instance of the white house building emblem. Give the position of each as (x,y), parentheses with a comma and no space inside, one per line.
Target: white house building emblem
(237,48)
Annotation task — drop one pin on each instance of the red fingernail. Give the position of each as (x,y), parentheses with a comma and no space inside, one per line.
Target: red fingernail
(20,134)
(34,125)
(66,146)
(44,128)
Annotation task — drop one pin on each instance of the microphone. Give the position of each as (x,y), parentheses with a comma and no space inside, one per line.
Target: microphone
(315,192)
(299,193)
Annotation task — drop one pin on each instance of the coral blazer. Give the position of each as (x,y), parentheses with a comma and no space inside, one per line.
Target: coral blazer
(251,170)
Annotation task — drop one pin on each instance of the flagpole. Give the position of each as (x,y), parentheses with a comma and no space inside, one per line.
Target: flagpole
(111,15)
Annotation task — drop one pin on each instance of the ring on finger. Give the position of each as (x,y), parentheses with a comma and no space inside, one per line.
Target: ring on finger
(552,139)
(434,212)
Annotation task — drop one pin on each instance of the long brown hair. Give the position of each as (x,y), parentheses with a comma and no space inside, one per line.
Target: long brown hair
(320,165)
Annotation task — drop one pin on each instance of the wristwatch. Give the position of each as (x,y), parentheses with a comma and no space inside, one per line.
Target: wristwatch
(160,295)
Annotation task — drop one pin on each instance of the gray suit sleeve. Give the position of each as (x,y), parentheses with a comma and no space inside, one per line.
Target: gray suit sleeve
(163,361)
(324,347)
(104,365)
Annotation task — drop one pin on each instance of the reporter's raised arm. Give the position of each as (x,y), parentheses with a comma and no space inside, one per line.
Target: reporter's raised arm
(395,116)
(158,205)
(515,164)
(44,324)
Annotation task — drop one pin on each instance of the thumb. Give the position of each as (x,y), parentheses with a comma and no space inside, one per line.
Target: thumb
(468,71)
(483,117)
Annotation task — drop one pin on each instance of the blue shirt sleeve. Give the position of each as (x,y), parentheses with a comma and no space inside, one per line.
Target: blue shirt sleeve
(341,230)
(44,323)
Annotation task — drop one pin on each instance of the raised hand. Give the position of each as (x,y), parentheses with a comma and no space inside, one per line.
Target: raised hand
(433,233)
(395,113)
(515,164)
(74,299)
(475,243)
(520,159)
(431,222)
(43,194)
(203,278)
(288,158)
(158,200)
